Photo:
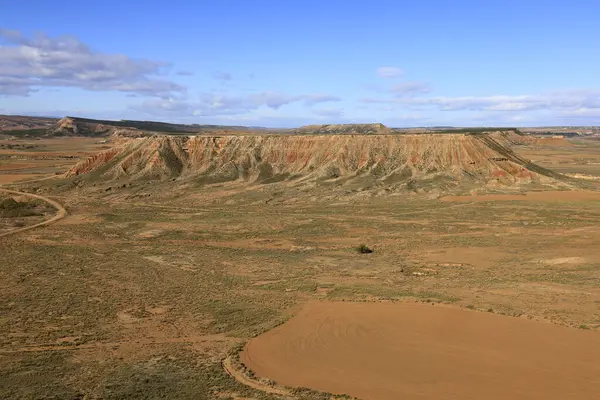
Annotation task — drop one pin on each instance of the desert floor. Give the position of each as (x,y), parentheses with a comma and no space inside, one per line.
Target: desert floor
(462,297)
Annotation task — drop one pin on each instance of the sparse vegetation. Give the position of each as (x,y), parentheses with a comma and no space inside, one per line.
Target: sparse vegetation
(24,133)
(145,288)
(10,208)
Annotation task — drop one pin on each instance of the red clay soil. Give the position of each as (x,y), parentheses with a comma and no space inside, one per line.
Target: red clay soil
(410,351)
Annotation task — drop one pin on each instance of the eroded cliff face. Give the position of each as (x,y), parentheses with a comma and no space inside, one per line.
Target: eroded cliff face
(390,160)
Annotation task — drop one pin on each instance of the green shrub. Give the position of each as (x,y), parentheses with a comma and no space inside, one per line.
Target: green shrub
(364,249)
(9,204)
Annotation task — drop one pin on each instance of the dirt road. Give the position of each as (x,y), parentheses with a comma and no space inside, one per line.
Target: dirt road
(240,377)
(61,212)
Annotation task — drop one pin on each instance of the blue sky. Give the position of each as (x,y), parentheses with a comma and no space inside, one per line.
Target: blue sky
(289,63)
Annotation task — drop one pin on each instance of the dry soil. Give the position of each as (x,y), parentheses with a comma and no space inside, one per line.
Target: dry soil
(406,351)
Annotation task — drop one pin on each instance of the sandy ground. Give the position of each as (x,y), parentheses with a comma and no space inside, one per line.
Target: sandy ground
(530,196)
(408,351)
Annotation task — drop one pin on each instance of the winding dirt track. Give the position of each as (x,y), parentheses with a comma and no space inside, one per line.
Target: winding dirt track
(61,212)
(411,351)
(240,377)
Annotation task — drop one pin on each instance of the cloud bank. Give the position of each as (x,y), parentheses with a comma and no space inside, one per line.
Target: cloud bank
(42,61)
(566,102)
(219,105)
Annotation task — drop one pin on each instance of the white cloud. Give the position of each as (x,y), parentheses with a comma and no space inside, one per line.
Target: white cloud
(227,105)
(389,72)
(581,112)
(570,100)
(64,61)
(160,106)
(217,104)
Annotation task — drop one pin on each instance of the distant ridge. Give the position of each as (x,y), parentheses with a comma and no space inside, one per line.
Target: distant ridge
(10,123)
(75,126)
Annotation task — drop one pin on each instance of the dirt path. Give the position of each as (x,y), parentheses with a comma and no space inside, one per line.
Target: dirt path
(238,376)
(61,212)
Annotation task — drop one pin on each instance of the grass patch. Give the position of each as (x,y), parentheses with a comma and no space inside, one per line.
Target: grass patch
(362,292)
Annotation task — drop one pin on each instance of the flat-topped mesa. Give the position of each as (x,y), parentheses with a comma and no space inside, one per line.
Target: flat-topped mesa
(391,161)
(345,129)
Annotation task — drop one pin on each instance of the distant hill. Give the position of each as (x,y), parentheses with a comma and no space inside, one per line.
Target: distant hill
(74,126)
(20,122)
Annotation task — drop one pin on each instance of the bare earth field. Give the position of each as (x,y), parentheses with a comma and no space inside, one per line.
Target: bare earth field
(581,157)
(408,351)
(549,195)
(142,291)
(12,178)
(31,158)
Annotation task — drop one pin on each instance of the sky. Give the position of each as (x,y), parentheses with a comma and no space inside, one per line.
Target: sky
(286,63)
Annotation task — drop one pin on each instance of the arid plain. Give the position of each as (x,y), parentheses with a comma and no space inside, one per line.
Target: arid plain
(226,266)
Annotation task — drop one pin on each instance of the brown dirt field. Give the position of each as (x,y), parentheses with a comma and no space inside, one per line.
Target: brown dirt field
(481,257)
(48,155)
(408,351)
(530,196)
(10,178)
(582,157)
(14,166)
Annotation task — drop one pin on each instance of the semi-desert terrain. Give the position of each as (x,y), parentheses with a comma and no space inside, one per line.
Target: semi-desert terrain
(223,263)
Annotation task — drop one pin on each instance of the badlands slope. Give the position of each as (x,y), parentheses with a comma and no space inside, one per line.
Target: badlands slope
(440,161)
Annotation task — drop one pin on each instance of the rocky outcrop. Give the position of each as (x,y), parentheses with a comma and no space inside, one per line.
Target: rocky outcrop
(94,162)
(68,126)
